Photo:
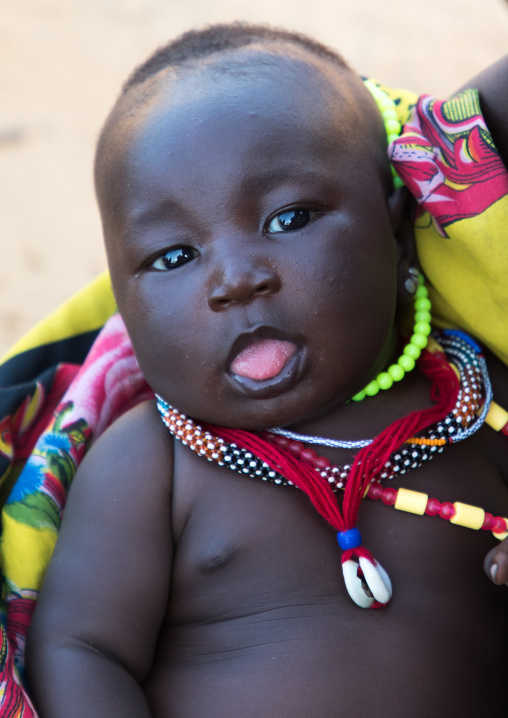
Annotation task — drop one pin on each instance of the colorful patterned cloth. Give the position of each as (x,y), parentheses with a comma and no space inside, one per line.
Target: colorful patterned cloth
(64,383)
(447,159)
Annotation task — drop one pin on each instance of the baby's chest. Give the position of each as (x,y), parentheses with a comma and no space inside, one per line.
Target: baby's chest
(240,535)
(257,578)
(246,542)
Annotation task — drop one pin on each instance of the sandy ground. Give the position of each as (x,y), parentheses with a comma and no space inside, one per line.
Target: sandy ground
(62,62)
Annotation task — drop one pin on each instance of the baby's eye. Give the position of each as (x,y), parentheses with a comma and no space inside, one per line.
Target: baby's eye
(290,220)
(174,258)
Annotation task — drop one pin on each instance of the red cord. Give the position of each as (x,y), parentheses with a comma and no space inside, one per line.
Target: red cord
(369,460)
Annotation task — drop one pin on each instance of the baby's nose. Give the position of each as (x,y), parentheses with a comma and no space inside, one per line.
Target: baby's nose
(239,280)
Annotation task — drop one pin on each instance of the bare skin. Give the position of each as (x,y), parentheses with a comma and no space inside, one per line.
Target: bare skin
(191,591)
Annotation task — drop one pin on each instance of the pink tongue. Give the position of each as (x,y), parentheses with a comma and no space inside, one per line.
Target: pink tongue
(263,359)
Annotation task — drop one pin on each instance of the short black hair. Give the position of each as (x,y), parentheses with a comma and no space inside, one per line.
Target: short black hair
(189,49)
(219,38)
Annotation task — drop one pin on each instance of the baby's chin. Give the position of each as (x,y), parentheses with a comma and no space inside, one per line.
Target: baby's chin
(294,408)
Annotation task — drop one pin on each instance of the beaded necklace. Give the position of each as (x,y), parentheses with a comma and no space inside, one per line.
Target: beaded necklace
(466,355)
(411,352)
(390,117)
(240,451)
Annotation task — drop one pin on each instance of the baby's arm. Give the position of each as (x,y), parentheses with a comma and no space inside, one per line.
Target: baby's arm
(92,641)
(492,84)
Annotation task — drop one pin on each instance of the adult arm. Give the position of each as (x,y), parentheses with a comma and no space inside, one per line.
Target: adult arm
(492,85)
(93,637)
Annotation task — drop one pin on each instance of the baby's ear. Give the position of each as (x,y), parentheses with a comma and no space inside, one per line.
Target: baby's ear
(401,209)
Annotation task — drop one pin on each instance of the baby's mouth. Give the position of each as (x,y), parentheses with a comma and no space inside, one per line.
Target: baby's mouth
(263,359)
(266,368)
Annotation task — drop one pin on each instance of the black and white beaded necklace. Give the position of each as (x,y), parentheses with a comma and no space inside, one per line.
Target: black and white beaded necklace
(473,402)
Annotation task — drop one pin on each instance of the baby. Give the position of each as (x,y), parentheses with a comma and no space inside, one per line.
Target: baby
(259,256)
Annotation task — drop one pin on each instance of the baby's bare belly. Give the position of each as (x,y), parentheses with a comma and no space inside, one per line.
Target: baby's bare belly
(260,623)
(291,644)
(324,658)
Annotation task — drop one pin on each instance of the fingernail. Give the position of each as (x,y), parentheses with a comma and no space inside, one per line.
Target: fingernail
(493,571)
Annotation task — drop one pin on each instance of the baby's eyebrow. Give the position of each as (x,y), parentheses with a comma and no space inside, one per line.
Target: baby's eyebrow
(286,183)
(267,177)
(260,182)
(165,209)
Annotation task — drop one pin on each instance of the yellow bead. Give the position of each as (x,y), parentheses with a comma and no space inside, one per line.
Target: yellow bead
(503,535)
(455,369)
(433,346)
(413,501)
(496,417)
(472,517)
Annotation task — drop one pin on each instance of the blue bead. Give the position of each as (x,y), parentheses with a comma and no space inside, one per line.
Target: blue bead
(349,539)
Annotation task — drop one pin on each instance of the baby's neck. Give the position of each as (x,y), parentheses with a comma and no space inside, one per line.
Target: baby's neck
(366,419)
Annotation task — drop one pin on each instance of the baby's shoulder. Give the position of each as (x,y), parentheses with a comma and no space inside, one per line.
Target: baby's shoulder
(134,456)
(140,434)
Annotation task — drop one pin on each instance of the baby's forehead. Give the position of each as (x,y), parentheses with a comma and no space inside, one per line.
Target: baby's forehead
(274,93)
(283,83)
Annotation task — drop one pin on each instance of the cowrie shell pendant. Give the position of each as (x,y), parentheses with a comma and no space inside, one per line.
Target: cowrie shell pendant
(374,578)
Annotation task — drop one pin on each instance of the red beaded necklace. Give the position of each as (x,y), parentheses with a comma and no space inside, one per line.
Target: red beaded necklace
(273,457)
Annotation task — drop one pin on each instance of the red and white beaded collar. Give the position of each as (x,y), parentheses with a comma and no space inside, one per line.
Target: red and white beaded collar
(461,408)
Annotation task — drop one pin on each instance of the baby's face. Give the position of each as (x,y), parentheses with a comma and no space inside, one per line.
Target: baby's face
(250,246)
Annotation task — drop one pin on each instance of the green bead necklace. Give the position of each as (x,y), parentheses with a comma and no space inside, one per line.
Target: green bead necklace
(412,350)
(388,112)
(421,329)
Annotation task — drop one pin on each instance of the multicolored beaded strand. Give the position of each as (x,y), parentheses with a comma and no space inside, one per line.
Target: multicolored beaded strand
(457,425)
(416,502)
(475,392)
(463,421)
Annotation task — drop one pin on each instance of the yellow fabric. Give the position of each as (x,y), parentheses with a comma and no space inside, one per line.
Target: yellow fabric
(447,159)
(467,275)
(85,311)
(25,551)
